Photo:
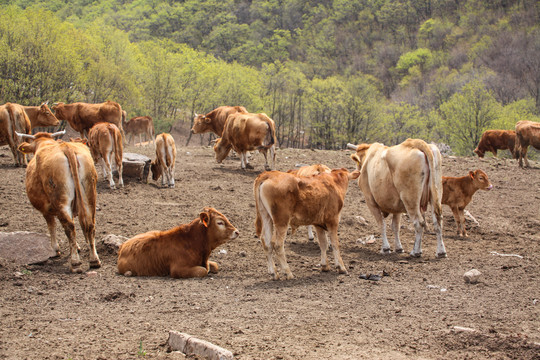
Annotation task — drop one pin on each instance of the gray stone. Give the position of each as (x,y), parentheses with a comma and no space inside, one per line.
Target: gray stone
(113,241)
(190,345)
(136,166)
(472,276)
(25,248)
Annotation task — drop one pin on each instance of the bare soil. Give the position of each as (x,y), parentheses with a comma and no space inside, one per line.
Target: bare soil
(48,313)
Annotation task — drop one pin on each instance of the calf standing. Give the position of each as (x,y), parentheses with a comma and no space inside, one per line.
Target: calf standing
(103,140)
(165,160)
(181,252)
(61,182)
(458,192)
(137,126)
(283,199)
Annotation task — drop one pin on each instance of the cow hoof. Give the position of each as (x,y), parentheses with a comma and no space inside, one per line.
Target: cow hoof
(171,186)
(386,251)
(95,264)
(249,166)
(343,271)
(441,255)
(311,239)
(399,251)
(76,269)
(289,277)
(325,268)
(275,277)
(416,255)
(128,273)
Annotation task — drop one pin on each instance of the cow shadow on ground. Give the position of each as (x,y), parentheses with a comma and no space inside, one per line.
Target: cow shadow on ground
(251,173)
(375,255)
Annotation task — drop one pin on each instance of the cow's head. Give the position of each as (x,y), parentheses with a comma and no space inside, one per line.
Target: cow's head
(479,152)
(480,180)
(219,229)
(46,117)
(360,155)
(201,124)
(156,170)
(58,109)
(221,149)
(36,141)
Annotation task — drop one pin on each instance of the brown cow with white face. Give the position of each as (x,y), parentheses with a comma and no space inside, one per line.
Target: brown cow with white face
(402,179)
(181,252)
(458,192)
(61,183)
(82,116)
(493,140)
(247,132)
(40,116)
(137,126)
(283,199)
(164,164)
(215,120)
(13,120)
(104,139)
(527,133)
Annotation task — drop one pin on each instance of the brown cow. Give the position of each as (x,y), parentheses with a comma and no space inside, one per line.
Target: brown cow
(398,179)
(40,116)
(61,182)
(493,140)
(458,192)
(527,133)
(13,119)
(103,140)
(310,170)
(247,132)
(181,252)
(137,126)
(283,199)
(215,120)
(82,116)
(165,161)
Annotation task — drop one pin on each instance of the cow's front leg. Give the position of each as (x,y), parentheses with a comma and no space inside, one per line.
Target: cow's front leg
(323,245)
(184,272)
(333,230)
(212,267)
(396,220)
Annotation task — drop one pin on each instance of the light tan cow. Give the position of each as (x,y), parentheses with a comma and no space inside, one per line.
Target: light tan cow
(405,178)
(215,120)
(61,182)
(139,125)
(247,132)
(104,139)
(13,120)
(283,199)
(527,133)
(164,163)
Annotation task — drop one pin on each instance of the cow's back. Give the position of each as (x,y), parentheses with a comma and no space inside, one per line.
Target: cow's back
(245,131)
(528,133)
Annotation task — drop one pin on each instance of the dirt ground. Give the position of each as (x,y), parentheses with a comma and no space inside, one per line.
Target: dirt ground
(48,313)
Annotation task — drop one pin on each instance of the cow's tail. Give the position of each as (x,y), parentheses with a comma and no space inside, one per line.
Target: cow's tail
(79,207)
(118,146)
(270,138)
(432,189)
(263,220)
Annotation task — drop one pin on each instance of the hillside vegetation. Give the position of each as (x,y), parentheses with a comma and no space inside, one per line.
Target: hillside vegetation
(327,72)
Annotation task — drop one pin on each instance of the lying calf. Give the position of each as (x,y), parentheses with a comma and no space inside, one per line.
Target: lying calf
(181,252)
(458,192)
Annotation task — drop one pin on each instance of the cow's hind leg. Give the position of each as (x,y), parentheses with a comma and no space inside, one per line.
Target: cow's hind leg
(183,272)
(69,229)
(278,242)
(333,230)
(396,220)
(89,232)
(437,224)
(323,244)
(51,224)
(311,237)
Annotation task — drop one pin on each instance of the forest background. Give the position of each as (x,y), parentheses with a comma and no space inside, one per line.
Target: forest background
(327,72)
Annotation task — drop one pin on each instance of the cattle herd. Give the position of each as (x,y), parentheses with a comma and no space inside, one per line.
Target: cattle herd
(61,182)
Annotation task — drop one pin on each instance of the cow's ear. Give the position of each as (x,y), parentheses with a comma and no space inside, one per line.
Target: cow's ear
(207,120)
(25,148)
(471,174)
(205,218)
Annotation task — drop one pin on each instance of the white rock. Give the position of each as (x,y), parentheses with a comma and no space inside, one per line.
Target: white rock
(472,276)
(190,345)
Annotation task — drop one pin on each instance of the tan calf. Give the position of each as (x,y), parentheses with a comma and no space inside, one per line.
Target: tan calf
(61,183)
(458,192)
(104,139)
(138,126)
(283,199)
(164,163)
(181,252)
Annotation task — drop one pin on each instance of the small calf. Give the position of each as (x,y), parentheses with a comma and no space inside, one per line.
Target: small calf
(181,252)
(163,165)
(458,192)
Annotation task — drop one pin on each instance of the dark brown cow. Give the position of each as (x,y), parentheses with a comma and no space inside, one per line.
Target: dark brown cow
(527,133)
(493,140)
(13,119)
(283,200)
(104,139)
(181,252)
(215,120)
(40,116)
(137,126)
(61,182)
(165,161)
(82,116)
(458,192)
(247,132)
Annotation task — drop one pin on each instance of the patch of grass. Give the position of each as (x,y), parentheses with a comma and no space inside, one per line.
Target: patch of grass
(141,351)
(26,272)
